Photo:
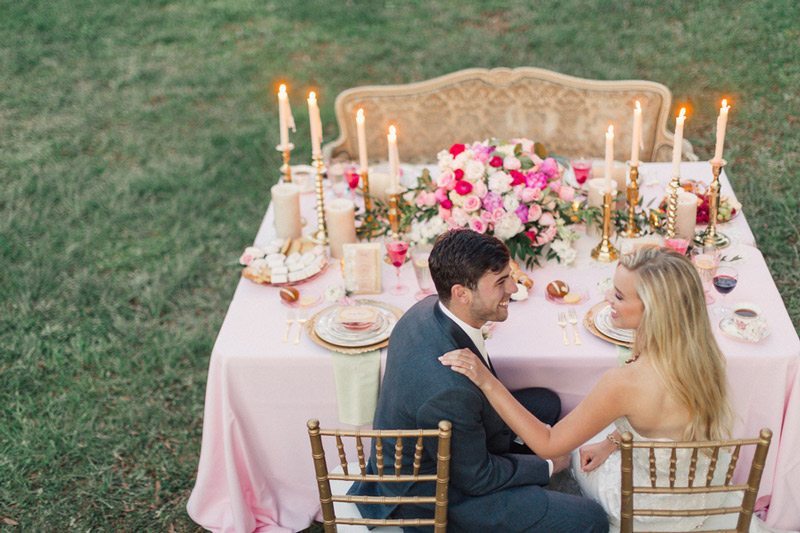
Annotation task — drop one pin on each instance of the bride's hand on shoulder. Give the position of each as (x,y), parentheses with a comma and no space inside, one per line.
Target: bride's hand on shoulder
(467,363)
(593,455)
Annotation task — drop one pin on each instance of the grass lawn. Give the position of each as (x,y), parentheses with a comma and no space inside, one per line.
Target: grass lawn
(136,151)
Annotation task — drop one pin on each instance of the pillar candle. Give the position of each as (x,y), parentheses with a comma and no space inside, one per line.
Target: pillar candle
(285,118)
(286,203)
(677,148)
(686,215)
(379,183)
(394,158)
(362,140)
(609,155)
(637,133)
(722,123)
(340,215)
(316,124)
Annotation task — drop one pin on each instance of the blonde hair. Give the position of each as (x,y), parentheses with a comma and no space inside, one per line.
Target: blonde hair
(676,335)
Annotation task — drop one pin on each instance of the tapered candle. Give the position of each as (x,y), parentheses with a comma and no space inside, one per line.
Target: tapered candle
(677,148)
(637,133)
(316,124)
(362,140)
(394,158)
(609,156)
(722,123)
(285,118)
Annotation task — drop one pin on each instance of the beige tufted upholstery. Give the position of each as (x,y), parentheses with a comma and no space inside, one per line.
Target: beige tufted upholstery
(568,115)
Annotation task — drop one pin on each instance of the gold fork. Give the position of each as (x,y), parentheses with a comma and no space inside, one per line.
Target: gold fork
(289,321)
(562,321)
(572,317)
(301,320)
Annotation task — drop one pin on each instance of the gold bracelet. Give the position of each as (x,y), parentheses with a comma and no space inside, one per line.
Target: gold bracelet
(613,440)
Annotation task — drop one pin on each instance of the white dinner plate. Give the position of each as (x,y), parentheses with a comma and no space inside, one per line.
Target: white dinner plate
(602,320)
(330,330)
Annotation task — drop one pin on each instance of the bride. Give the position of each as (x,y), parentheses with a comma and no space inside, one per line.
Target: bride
(672,388)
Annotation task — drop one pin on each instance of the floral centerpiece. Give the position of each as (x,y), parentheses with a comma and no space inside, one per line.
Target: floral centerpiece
(504,189)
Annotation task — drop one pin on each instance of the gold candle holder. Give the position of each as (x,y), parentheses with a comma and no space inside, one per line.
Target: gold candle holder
(367,197)
(632,231)
(286,169)
(605,251)
(672,206)
(394,213)
(321,235)
(710,236)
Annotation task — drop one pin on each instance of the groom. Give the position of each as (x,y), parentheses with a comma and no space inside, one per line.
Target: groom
(495,483)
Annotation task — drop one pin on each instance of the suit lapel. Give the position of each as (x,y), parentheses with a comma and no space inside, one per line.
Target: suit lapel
(459,335)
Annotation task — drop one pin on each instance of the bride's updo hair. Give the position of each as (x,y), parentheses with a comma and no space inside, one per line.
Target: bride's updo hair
(676,335)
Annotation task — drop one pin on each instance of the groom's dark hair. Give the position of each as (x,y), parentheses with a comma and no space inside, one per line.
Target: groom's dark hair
(462,256)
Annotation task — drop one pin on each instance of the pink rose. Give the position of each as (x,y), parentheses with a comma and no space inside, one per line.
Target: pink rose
(487,216)
(511,163)
(547,235)
(479,189)
(567,193)
(555,186)
(440,195)
(459,174)
(530,194)
(446,180)
(498,214)
(426,199)
(463,187)
(496,161)
(457,149)
(478,225)
(472,203)
(444,213)
(550,167)
(534,212)
(547,219)
(246,259)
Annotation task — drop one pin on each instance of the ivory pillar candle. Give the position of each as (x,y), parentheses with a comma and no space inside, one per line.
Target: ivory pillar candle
(286,204)
(686,217)
(637,133)
(394,158)
(609,155)
(285,118)
(379,183)
(341,218)
(677,148)
(316,125)
(362,140)
(722,123)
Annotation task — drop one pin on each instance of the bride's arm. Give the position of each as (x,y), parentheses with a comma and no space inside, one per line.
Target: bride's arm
(604,404)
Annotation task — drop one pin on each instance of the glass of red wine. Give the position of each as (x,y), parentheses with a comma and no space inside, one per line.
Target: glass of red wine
(581,168)
(352,178)
(724,280)
(397,250)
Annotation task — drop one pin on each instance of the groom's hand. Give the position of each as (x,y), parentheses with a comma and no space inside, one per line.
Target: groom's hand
(560,463)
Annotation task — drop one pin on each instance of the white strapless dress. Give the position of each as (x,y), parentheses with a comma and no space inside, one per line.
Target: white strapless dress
(603,486)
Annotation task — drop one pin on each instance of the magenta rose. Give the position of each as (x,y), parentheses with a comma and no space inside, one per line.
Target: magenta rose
(517,177)
(447,204)
(459,174)
(496,161)
(531,234)
(457,149)
(463,187)
(522,213)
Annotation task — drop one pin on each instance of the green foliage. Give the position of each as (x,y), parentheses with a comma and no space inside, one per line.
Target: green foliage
(137,150)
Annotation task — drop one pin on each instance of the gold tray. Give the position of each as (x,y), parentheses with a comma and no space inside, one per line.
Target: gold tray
(588,322)
(312,334)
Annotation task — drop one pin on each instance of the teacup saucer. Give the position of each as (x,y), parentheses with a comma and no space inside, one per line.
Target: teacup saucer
(755,332)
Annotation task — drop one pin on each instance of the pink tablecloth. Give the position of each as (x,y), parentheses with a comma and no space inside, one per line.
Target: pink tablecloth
(255,471)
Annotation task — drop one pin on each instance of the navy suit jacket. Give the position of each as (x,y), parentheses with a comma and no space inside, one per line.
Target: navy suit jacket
(489,487)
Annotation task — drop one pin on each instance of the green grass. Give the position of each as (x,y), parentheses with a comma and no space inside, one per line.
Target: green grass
(137,147)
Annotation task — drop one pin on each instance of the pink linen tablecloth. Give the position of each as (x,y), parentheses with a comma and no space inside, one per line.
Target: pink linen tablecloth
(255,471)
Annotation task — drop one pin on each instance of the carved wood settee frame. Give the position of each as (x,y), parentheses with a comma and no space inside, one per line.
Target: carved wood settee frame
(569,115)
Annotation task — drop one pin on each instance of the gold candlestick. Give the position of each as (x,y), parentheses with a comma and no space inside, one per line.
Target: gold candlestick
(632,231)
(394,213)
(367,197)
(605,251)
(321,236)
(710,236)
(286,169)
(672,206)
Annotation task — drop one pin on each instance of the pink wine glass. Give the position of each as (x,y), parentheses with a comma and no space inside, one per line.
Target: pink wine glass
(397,251)
(581,168)
(352,178)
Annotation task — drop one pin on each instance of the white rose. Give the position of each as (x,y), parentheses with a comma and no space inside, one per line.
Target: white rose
(510,203)
(500,182)
(445,160)
(459,216)
(506,149)
(507,227)
(462,158)
(474,170)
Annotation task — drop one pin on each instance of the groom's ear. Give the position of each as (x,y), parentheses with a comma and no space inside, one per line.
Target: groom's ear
(460,294)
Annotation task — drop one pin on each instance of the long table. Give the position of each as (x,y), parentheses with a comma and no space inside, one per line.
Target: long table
(255,471)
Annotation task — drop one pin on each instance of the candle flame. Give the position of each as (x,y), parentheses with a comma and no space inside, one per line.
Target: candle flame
(682,113)
(360,115)
(392,131)
(725,104)
(610,129)
(312,96)
(638,105)
(282,89)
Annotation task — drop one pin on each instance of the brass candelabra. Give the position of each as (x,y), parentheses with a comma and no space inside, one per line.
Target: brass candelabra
(367,197)
(286,169)
(672,206)
(710,236)
(321,235)
(605,251)
(632,231)
(394,212)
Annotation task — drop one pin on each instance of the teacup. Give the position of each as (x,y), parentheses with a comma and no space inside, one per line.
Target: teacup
(745,315)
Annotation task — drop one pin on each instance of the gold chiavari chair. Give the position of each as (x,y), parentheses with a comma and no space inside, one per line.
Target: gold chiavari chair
(324,478)
(694,484)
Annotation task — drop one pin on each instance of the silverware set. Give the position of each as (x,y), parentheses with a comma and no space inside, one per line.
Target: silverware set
(299,317)
(570,317)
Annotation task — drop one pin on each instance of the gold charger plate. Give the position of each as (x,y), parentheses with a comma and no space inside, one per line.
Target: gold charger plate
(312,334)
(588,322)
